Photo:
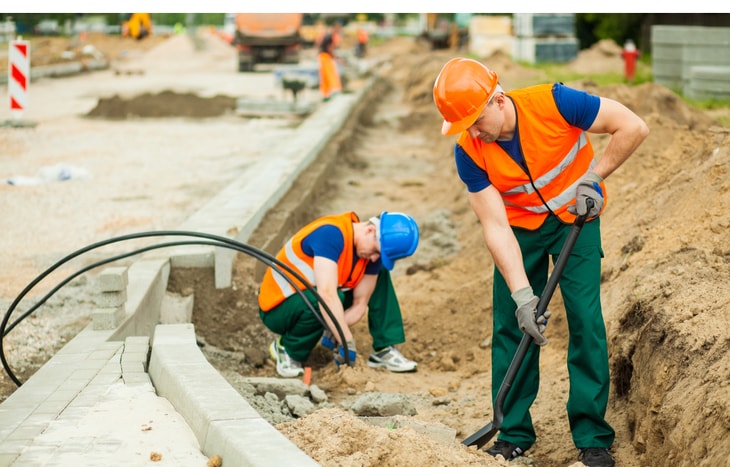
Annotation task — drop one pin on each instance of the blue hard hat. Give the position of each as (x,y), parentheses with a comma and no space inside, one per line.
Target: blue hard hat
(398,236)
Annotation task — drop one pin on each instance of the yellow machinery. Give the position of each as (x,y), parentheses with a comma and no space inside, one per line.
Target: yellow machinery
(138,26)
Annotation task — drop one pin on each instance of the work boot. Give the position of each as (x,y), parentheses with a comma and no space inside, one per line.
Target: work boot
(596,457)
(505,449)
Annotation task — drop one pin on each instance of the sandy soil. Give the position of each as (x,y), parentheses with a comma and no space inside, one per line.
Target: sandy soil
(665,293)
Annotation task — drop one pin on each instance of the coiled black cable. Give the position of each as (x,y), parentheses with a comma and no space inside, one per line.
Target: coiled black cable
(211,239)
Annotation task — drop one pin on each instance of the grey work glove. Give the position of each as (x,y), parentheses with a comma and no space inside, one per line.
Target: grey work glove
(526,310)
(589,187)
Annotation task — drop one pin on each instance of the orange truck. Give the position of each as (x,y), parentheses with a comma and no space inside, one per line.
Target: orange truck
(267,38)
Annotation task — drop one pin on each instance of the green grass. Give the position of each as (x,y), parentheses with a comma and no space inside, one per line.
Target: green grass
(558,72)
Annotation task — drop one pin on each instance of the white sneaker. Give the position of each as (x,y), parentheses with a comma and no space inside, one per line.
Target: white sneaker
(391,359)
(285,365)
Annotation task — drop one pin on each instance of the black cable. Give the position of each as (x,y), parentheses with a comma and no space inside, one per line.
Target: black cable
(218,241)
(117,258)
(235,245)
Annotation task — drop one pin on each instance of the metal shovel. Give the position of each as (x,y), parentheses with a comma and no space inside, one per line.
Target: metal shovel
(483,435)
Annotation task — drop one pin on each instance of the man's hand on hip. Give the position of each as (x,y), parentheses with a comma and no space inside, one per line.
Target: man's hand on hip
(589,187)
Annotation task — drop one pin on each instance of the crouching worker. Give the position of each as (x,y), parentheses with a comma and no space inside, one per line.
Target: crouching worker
(348,262)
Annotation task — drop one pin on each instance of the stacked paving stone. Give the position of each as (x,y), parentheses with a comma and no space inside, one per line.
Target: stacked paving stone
(110,311)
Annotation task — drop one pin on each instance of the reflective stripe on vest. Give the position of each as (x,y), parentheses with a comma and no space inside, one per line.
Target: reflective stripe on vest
(275,288)
(299,265)
(544,180)
(557,155)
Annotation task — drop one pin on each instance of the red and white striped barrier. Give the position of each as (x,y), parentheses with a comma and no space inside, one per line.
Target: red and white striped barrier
(18,76)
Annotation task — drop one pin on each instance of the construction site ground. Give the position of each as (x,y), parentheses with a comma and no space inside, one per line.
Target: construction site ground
(666,238)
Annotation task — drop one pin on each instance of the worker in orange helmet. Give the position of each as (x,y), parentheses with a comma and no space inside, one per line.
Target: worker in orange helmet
(348,262)
(529,169)
(329,76)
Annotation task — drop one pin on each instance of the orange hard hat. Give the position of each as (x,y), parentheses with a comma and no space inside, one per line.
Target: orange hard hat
(461,91)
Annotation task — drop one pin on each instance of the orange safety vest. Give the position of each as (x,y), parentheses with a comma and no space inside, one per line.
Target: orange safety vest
(557,154)
(275,288)
(329,76)
(362,35)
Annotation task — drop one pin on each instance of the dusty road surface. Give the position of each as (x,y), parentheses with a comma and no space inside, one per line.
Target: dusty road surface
(666,238)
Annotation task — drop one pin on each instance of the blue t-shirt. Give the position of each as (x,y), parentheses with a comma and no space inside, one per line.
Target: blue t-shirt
(577,107)
(328,241)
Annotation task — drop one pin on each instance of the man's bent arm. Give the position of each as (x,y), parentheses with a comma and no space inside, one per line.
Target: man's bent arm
(627,132)
(325,276)
(360,298)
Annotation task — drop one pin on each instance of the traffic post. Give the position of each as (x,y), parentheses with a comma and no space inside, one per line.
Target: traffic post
(18,78)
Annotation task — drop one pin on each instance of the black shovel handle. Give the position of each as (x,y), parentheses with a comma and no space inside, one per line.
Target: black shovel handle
(483,435)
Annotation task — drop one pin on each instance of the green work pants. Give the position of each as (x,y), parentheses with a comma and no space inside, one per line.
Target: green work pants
(300,329)
(587,346)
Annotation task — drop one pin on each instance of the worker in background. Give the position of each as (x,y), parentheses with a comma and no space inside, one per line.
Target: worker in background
(329,76)
(362,41)
(630,54)
(348,261)
(529,169)
(336,35)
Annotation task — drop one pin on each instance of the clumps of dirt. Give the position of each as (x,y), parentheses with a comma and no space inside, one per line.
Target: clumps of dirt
(345,433)
(165,104)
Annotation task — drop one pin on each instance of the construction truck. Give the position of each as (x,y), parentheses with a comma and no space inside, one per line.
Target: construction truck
(267,38)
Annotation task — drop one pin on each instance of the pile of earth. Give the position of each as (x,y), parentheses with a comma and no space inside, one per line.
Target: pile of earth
(48,51)
(163,104)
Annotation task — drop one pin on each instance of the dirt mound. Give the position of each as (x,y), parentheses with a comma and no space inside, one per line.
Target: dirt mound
(354,443)
(164,104)
(652,101)
(602,57)
(49,51)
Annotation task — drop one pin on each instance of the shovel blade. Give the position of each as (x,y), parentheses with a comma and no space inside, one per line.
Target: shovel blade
(482,436)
